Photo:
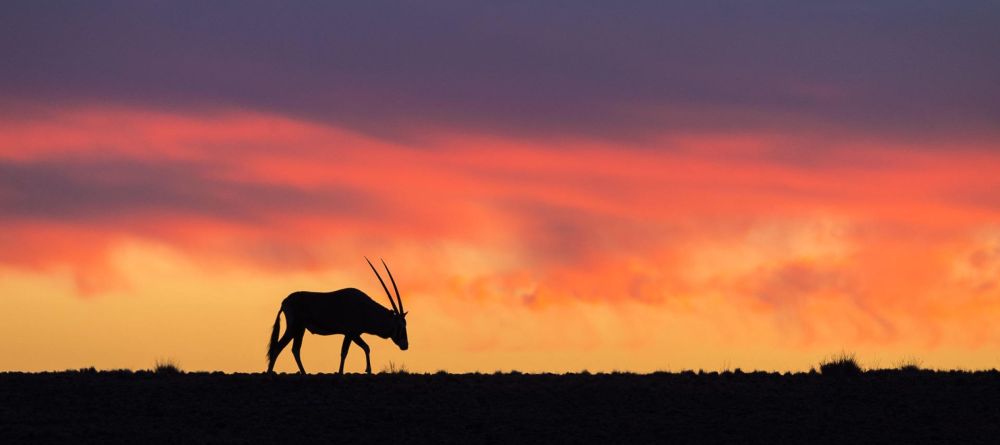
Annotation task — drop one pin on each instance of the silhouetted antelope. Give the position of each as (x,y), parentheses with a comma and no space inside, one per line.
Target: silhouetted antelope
(346,311)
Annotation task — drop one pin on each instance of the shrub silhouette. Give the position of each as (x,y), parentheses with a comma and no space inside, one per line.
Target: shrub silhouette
(167,367)
(842,365)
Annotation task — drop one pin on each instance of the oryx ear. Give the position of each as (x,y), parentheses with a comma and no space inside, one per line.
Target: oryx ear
(404,314)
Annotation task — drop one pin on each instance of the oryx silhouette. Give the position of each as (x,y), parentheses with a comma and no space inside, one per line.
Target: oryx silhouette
(346,311)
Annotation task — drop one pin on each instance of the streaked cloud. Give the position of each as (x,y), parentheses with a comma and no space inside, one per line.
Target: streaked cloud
(584,220)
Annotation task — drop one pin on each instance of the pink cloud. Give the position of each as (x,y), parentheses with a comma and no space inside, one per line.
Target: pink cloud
(873,231)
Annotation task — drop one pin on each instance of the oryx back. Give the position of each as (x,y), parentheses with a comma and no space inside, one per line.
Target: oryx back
(345,311)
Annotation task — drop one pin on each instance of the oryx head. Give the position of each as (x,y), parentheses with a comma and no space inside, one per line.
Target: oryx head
(398,335)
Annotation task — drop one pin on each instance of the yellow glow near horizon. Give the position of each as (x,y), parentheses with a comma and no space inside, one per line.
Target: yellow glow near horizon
(219,319)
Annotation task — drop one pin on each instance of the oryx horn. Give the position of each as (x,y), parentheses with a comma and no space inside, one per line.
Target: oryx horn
(398,298)
(383,285)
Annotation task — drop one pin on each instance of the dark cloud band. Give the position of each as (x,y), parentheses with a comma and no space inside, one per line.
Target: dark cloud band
(535,68)
(109,189)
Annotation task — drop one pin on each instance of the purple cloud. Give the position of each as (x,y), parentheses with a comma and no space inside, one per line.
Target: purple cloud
(532,68)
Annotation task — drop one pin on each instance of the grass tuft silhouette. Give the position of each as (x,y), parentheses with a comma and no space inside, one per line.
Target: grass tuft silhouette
(167,367)
(393,368)
(909,364)
(843,365)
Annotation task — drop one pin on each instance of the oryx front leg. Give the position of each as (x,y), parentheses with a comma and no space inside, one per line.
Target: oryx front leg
(364,347)
(343,352)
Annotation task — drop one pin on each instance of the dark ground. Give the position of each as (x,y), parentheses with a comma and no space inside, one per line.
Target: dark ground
(878,406)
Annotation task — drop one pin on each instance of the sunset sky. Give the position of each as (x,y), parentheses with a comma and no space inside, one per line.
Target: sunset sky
(556,186)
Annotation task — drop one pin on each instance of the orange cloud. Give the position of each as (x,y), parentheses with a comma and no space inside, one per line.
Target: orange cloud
(850,242)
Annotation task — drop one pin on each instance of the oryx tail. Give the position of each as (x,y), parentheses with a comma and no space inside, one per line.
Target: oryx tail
(272,344)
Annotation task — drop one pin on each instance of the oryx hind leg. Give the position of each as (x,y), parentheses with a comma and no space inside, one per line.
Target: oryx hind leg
(364,347)
(343,352)
(296,347)
(278,348)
